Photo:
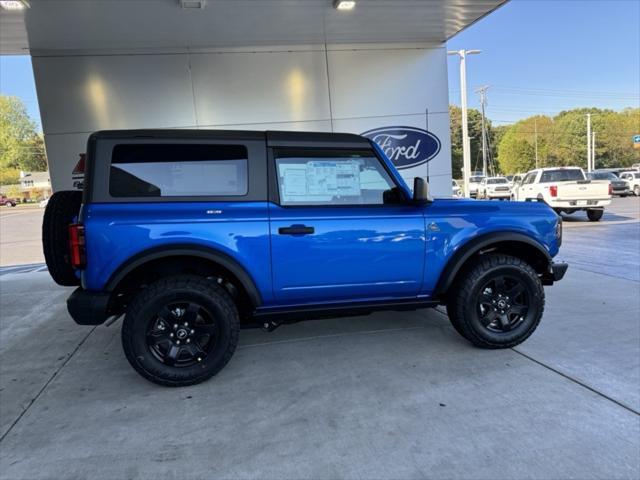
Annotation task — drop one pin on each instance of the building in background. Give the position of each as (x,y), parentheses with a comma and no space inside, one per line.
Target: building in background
(379,69)
(35,186)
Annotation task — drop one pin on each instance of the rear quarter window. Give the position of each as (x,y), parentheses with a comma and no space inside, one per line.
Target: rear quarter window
(178,170)
(564,175)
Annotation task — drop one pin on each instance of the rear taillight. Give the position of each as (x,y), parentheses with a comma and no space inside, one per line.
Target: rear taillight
(559,230)
(77,247)
(553,190)
(610,189)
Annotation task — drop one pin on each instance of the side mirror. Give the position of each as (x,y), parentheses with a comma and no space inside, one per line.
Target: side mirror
(421,191)
(392,196)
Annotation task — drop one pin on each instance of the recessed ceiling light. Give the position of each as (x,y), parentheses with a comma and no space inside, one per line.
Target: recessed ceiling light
(14,4)
(193,4)
(344,4)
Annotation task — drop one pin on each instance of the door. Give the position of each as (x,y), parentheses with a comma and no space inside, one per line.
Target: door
(526,190)
(338,230)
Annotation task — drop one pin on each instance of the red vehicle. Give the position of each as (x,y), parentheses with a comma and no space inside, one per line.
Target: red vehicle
(7,201)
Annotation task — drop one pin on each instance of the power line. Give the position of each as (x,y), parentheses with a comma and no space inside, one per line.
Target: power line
(560,90)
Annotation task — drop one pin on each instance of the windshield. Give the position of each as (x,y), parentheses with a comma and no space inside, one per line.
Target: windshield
(497,180)
(475,179)
(562,175)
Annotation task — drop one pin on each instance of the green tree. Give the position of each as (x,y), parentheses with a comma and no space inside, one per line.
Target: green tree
(9,176)
(36,161)
(538,133)
(21,146)
(14,191)
(515,153)
(562,140)
(613,143)
(474,120)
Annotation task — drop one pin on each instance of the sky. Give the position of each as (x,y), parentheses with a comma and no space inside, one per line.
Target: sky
(538,57)
(545,56)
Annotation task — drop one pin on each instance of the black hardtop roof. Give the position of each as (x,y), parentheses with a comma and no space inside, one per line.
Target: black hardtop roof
(273,138)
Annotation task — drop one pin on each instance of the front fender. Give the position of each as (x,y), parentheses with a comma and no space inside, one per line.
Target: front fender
(468,249)
(457,227)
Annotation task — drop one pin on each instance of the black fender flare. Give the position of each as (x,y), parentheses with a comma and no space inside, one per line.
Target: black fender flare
(470,248)
(205,253)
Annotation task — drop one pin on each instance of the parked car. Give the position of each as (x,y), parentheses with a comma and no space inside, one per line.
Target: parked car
(494,187)
(514,179)
(474,183)
(456,190)
(44,203)
(193,234)
(632,179)
(565,189)
(8,201)
(618,186)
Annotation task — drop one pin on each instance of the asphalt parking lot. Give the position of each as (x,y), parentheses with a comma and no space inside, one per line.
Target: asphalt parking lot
(391,395)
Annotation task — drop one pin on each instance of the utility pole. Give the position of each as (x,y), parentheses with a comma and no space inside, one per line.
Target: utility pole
(535,128)
(466,144)
(482,91)
(593,150)
(589,142)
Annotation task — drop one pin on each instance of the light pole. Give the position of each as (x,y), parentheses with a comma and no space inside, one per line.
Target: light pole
(483,99)
(589,142)
(466,145)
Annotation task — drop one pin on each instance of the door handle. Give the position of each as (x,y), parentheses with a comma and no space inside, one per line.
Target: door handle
(296,230)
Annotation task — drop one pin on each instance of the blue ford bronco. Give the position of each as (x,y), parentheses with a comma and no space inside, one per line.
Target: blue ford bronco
(193,235)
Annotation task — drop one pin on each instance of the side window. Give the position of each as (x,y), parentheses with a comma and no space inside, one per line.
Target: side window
(330,177)
(529,178)
(178,170)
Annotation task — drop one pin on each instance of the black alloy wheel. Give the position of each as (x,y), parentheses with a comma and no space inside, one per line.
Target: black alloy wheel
(182,334)
(503,303)
(180,330)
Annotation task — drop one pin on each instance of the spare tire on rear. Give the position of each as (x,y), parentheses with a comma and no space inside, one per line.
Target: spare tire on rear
(62,210)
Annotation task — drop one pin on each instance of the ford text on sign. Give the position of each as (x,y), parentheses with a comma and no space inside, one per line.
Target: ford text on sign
(406,147)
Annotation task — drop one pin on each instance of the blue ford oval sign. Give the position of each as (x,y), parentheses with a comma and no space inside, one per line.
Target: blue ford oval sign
(406,147)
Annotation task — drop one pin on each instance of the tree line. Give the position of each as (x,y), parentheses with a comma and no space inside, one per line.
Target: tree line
(561,140)
(21,144)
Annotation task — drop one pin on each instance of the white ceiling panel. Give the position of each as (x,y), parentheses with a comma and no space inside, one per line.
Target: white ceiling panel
(50,26)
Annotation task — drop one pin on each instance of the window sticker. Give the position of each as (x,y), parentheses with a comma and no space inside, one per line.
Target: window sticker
(320,180)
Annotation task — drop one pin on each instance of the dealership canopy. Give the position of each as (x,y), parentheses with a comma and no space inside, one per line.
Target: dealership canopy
(51,25)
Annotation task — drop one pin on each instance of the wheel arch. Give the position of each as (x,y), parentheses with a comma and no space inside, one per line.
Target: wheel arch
(186,258)
(511,243)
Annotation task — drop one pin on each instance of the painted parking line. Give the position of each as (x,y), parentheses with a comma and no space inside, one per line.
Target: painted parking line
(30,268)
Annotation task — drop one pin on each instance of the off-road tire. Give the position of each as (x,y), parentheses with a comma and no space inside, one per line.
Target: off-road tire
(62,208)
(174,289)
(462,305)
(594,215)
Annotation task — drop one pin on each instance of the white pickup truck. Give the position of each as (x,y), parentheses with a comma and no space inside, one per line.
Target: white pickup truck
(565,189)
(633,181)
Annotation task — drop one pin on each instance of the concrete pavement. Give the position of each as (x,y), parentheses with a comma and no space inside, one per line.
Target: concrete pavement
(384,396)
